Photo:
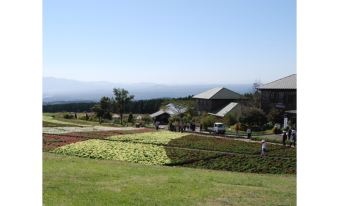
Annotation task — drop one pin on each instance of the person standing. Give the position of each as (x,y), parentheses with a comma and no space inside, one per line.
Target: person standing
(237,128)
(289,133)
(284,138)
(170,126)
(263,148)
(294,138)
(157,125)
(249,133)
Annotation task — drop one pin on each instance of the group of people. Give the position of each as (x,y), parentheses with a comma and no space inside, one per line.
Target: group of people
(291,135)
(182,127)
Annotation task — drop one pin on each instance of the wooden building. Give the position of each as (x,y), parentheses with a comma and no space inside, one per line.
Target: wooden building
(214,100)
(279,94)
(169,110)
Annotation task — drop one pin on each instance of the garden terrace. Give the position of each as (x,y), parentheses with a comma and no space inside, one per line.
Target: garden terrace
(205,143)
(171,148)
(52,141)
(245,163)
(132,152)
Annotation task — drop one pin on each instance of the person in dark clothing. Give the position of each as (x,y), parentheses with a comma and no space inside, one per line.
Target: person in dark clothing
(170,126)
(284,138)
(289,134)
(157,123)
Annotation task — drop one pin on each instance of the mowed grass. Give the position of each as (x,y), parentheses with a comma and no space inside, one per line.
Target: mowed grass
(51,121)
(58,118)
(81,181)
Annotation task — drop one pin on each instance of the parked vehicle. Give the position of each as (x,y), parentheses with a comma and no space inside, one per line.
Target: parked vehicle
(218,128)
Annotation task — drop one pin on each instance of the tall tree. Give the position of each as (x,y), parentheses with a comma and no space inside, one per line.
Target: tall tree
(254,97)
(103,109)
(120,100)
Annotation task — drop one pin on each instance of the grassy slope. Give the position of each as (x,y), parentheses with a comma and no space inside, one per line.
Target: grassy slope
(81,181)
(59,122)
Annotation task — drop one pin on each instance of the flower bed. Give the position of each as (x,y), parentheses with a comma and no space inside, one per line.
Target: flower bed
(51,141)
(243,163)
(161,137)
(105,134)
(166,138)
(64,130)
(132,152)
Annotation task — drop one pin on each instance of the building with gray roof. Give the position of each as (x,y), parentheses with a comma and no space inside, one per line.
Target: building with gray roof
(169,110)
(231,108)
(213,100)
(279,94)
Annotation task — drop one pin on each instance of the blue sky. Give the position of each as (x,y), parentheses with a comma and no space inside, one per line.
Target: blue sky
(170,41)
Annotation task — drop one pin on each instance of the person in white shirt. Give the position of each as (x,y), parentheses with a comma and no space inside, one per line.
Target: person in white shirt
(249,133)
(263,148)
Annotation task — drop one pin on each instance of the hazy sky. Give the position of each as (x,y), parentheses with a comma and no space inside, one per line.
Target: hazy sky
(170,41)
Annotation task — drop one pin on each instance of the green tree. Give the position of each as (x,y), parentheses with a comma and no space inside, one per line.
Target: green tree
(207,121)
(253,117)
(230,119)
(99,112)
(120,100)
(103,109)
(276,116)
(254,97)
(130,117)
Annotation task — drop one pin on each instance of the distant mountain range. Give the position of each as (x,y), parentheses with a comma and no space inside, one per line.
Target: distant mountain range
(57,90)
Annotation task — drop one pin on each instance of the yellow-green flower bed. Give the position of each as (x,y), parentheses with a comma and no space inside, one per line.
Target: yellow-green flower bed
(132,152)
(161,137)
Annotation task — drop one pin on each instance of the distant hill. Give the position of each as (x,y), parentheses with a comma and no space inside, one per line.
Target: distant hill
(64,90)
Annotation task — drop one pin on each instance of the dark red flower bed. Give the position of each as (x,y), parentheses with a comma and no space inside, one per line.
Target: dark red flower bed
(104,134)
(51,141)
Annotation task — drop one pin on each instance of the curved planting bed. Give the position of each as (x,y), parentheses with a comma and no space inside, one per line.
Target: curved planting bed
(132,152)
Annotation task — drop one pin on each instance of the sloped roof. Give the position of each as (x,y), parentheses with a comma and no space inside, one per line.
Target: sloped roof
(289,82)
(226,109)
(171,109)
(155,114)
(218,93)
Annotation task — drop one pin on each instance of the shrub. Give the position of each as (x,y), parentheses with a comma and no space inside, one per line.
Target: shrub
(207,121)
(230,119)
(68,116)
(268,126)
(275,116)
(147,119)
(107,115)
(130,118)
(276,130)
(253,117)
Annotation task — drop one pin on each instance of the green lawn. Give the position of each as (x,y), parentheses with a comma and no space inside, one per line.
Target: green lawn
(82,181)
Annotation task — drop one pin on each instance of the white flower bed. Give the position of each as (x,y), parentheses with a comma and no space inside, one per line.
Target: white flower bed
(63,130)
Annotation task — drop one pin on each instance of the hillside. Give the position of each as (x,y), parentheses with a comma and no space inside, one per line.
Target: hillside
(56,89)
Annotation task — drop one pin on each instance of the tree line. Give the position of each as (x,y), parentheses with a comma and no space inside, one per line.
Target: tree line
(147,106)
